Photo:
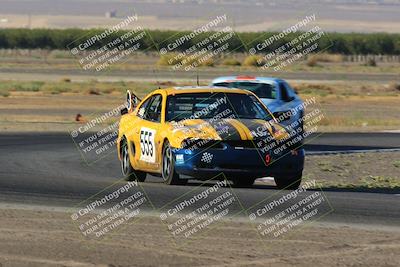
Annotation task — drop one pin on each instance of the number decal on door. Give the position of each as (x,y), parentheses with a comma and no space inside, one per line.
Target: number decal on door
(147,147)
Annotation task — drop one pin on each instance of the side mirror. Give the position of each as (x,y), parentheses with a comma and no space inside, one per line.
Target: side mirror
(290,98)
(124,111)
(281,116)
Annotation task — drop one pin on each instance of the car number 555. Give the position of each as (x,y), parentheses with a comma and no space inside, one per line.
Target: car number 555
(147,146)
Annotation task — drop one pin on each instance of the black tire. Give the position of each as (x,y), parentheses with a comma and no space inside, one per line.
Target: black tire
(129,173)
(289,182)
(168,167)
(244,182)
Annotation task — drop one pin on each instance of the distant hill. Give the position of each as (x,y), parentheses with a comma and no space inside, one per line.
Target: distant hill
(244,15)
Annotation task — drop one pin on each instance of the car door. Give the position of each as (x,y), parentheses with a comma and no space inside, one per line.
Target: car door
(148,133)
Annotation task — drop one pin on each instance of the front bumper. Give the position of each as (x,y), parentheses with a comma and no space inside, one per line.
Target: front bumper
(236,162)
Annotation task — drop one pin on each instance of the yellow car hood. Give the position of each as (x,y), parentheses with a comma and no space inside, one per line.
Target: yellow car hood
(225,129)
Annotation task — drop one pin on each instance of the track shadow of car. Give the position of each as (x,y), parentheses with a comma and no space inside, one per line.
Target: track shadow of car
(322,148)
(361,189)
(196,183)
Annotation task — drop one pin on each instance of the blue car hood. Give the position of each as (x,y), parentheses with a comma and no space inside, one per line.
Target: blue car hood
(272,104)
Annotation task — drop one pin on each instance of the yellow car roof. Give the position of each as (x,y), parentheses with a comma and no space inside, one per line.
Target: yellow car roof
(201,89)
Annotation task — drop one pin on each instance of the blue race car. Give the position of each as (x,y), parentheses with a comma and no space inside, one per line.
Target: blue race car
(275,93)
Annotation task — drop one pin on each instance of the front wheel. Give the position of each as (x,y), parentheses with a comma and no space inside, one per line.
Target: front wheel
(168,167)
(291,182)
(128,171)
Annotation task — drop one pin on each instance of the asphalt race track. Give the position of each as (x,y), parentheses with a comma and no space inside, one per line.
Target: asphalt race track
(46,169)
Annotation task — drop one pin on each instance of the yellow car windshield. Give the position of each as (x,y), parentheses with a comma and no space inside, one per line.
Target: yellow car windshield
(214,105)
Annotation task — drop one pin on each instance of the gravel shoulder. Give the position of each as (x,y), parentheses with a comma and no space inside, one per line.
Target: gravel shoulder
(37,237)
(40,112)
(376,172)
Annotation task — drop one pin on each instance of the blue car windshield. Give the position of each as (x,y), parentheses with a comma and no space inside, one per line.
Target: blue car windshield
(262,90)
(214,105)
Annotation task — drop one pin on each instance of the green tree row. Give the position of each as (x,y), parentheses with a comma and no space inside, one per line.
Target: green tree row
(342,43)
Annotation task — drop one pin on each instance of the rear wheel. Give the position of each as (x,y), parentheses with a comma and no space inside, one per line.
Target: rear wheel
(168,167)
(128,171)
(291,182)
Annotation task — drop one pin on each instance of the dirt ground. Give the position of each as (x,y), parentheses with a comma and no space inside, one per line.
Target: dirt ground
(40,112)
(361,171)
(48,238)
(162,22)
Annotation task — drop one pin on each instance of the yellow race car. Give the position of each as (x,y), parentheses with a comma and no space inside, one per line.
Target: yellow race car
(182,133)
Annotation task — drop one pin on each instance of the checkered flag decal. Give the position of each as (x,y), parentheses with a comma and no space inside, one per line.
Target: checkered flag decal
(207,157)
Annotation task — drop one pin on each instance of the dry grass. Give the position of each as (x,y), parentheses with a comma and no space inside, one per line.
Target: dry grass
(348,89)
(63,60)
(66,86)
(355,171)
(253,61)
(172,59)
(346,106)
(312,62)
(353,113)
(394,86)
(325,57)
(231,62)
